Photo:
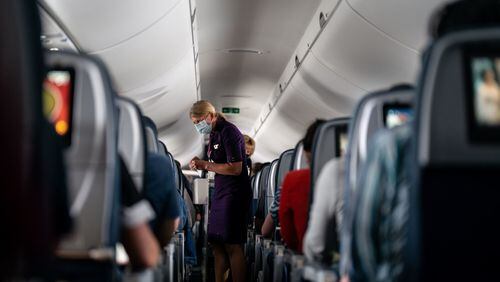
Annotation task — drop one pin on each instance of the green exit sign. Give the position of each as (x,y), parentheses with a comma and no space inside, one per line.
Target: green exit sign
(227,110)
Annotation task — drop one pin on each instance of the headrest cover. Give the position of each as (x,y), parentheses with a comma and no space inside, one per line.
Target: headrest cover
(271,187)
(132,140)
(151,135)
(299,160)
(284,164)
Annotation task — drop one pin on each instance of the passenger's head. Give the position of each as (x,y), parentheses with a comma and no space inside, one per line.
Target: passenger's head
(203,115)
(465,14)
(488,76)
(249,145)
(258,167)
(309,138)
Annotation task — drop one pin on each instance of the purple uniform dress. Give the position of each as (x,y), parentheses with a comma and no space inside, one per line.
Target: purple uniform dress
(232,195)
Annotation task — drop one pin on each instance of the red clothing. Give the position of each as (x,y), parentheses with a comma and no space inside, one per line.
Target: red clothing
(294,206)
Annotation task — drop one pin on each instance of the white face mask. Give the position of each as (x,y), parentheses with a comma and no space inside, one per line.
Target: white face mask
(203,127)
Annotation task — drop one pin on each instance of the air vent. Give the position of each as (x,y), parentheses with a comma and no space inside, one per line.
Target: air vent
(251,51)
(322,20)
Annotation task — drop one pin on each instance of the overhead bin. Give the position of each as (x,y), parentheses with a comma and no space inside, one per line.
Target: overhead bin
(151,53)
(322,14)
(325,89)
(412,18)
(342,47)
(84,18)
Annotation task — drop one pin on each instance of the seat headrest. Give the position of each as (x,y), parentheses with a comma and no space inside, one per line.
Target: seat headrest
(299,160)
(177,174)
(271,182)
(264,178)
(458,109)
(151,135)
(162,147)
(87,119)
(382,109)
(132,140)
(284,163)
(330,141)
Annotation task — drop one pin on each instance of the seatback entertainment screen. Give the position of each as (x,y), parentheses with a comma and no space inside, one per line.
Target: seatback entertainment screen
(58,101)
(396,115)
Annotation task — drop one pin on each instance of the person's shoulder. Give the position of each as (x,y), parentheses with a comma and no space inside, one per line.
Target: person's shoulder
(298,174)
(157,162)
(230,128)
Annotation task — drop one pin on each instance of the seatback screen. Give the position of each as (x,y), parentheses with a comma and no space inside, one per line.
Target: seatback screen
(397,114)
(58,101)
(342,138)
(486,90)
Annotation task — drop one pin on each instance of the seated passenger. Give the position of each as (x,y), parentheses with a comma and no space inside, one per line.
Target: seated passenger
(136,236)
(294,203)
(161,192)
(249,150)
(185,228)
(325,218)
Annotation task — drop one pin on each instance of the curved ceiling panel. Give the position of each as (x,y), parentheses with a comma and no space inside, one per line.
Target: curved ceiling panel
(152,53)
(325,88)
(273,27)
(172,95)
(405,21)
(97,24)
(343,48)
(269,144)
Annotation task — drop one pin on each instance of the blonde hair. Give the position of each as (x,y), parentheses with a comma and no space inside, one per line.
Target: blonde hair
(249,144)
(202,108)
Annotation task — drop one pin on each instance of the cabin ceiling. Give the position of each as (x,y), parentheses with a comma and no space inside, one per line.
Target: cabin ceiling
(231,75)
(166,54)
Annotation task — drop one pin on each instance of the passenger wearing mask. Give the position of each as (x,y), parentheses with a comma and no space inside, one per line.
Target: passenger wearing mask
(294,202)
(249,150)
(233,194)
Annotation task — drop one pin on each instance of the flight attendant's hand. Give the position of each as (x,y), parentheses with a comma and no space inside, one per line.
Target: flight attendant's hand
(198,164)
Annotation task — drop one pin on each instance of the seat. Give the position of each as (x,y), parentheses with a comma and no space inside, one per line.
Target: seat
(132,140)
(261,203)
(162,147)
(271,185)
(454,197)
(284,165)
(326,146)
(33,192)
(93,168)
(370,116)
(151,135)
(299,160)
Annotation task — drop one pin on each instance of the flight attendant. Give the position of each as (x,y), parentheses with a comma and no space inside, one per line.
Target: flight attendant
(233,193)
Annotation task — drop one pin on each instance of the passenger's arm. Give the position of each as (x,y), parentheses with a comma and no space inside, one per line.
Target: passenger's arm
(141,246)
(321,215)
(167,230)
(286,216)
(268,226)
(162,193)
